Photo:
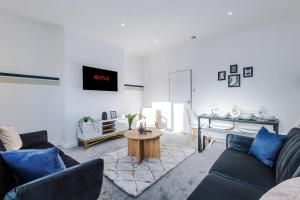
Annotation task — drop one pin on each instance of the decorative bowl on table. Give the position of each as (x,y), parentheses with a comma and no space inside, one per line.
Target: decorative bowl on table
(235,112)
(269,117)
(223,114)
(222,126)
(247,116)
(248,130)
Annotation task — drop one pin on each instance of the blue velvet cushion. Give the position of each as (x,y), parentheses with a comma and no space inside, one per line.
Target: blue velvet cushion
(32,164)
(266,146)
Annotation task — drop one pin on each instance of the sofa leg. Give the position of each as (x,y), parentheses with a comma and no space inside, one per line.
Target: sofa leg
(194,132)
(85,144)
(209,141)
(187,139)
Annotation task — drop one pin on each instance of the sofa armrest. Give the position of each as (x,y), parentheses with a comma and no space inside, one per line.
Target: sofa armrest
(238,142)
(82,181)
(29,139)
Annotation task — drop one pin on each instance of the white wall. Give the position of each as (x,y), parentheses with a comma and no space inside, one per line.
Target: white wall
(133,74)
(39,48)
(81,50)
(36,48)
(272,49)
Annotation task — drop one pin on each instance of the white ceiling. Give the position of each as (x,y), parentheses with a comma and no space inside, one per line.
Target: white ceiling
(171,22)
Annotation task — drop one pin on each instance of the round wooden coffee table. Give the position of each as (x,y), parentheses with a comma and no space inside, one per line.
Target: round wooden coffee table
(147,145)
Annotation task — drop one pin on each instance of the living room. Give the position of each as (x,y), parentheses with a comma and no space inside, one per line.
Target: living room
(204,78)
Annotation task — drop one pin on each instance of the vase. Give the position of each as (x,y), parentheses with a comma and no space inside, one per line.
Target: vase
(129,127)
(142,127)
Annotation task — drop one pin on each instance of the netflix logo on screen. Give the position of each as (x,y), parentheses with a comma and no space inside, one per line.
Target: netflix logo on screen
(99,79)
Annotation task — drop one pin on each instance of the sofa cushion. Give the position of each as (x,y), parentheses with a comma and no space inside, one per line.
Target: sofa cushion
(245,168)
(32,164)
(32,138)
(215,187)
(288,161)
(68,161)
(10,138)
(2,148)
(288,189)
(266,146)
(7,179)
(42,145)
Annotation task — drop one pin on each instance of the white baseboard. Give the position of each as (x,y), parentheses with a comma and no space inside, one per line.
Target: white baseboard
(68,145)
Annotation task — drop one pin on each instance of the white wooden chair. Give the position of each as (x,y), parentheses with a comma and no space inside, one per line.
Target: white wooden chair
(193,122)
(149,116)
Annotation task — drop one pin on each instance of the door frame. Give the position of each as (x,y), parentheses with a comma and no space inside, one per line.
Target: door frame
(191,83)
(191,92)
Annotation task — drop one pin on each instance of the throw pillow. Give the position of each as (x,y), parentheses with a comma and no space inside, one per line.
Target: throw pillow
(32,164)
(266,146)
(10,138)
(288,189)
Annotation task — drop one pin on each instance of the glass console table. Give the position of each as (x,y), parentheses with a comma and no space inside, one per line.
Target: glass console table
(201,143)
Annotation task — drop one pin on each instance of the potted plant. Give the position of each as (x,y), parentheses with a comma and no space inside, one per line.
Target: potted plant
(85,120)
(130,118)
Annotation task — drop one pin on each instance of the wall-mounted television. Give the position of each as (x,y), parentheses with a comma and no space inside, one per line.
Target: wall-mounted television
(99,79)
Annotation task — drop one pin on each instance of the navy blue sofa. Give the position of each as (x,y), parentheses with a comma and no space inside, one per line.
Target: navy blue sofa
(78,181)
(237,175)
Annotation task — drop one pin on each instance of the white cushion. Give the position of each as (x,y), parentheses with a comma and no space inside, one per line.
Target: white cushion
(288,189)
(150,115)
(10,138)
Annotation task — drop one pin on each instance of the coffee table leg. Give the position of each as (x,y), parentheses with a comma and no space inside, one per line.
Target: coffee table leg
(140,151)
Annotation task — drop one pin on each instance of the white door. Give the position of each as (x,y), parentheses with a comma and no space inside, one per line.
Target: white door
(180,94)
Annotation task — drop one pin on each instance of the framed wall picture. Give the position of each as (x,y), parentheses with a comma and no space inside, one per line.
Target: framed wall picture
(222,75)
(233,69)
(113,114)
(234,80)
(248,72)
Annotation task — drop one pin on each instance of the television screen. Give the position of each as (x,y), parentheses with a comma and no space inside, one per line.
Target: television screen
(99,79)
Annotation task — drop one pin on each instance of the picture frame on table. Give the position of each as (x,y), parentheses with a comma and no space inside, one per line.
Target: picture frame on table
(113,114)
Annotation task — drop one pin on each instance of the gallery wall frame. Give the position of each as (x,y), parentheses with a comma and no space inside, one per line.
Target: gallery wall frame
(234,80)
(248,72)
(221,75)
(233,69)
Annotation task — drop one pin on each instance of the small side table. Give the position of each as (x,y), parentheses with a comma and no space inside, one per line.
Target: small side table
(147,145)
(201,144)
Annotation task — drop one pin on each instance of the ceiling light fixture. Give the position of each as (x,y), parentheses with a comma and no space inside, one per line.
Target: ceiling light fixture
(155,40)
(122,24)
(193,37)
(230,13)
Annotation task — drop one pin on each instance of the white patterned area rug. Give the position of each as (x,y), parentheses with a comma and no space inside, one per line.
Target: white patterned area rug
(134,178)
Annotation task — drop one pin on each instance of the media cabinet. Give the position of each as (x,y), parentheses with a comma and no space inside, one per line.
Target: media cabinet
(100,130)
